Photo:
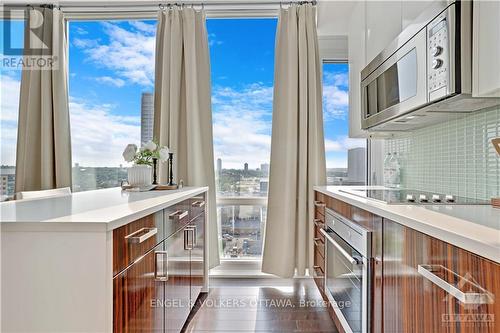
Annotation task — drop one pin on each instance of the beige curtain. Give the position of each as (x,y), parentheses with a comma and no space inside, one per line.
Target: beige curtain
(183,114)
(43,159)
(297,144)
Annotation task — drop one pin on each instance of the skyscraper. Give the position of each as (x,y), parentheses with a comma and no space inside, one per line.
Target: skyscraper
(264,168)
(219,165)
(147,117)
(246,167)
(356,166)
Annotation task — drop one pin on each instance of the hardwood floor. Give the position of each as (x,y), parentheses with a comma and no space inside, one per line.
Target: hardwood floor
(261,305)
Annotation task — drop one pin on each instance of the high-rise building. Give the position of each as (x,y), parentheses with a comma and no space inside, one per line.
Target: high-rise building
(356,166)
(7,182)
(147,117)
(219,165)
(246,167)
(264,168)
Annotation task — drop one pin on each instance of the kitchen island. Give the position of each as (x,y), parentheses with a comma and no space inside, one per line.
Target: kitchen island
(102,261)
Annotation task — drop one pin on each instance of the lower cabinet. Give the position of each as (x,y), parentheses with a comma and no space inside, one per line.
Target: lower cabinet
(197,257)
(136,293)
(418,283)
(158,289)
(432,286)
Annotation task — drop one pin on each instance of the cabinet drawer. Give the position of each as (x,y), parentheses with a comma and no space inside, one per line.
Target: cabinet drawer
(176,217)
(133,240)
(197,206)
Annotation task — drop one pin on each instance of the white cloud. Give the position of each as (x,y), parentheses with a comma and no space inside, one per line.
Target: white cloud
(335,95)
(343,144)
(98,136)
(242,125)
(144,27)
(212,40)
(9,110)
(81,31)
(117,82)
(130,54)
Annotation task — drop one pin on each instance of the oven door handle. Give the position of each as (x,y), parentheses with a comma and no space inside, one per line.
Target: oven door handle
(351,259)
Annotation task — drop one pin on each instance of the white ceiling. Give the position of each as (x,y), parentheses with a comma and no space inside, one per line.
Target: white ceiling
(333,17)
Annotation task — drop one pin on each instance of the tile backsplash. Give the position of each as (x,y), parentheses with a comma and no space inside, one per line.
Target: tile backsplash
(455,157)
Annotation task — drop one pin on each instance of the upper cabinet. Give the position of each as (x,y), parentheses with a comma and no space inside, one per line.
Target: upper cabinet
(486,49)
(357,60)
(383,24)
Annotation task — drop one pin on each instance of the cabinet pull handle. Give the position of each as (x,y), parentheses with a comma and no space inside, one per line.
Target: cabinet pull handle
(351,259)
(193,227)
(319,223)
(141,235)
(178,215)
(161,266)
(317,268)
(482,297)
(319,204)
(188,238)
(198,204)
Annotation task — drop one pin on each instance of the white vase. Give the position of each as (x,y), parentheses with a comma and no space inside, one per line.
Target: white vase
(139,175)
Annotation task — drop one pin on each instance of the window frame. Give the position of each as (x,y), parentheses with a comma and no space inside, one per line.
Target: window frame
(334,50)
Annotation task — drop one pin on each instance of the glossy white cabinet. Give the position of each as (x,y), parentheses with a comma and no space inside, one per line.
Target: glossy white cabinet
(486,49)
(383,24)
(357,60)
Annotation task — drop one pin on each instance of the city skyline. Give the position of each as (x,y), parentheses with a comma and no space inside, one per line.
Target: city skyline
(117,57)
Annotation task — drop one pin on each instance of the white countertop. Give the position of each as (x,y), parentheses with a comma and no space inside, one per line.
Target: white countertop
(475,228)
(104,209)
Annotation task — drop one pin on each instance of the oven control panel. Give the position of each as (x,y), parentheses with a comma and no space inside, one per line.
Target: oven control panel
(438,64)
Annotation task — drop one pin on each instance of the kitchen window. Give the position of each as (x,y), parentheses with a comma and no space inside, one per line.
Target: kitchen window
(111,80)
(10,83)
(345,157)
(242,65)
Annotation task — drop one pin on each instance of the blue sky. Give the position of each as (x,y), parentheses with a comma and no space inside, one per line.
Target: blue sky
(112,63)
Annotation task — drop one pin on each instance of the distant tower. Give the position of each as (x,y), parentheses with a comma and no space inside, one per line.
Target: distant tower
(356,165)
(147,117)
(264,168)
(246,167)
(219,165)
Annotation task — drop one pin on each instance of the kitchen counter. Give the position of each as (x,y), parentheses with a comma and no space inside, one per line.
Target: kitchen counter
(104,209)
(475,228)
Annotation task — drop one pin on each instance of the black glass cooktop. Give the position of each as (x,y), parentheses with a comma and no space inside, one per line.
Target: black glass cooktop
(405,196)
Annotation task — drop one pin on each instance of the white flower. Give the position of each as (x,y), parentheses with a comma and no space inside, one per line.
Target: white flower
(164,154)
(129,152)
(151,146)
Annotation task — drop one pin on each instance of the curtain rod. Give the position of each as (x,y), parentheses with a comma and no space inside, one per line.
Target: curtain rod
(155,4)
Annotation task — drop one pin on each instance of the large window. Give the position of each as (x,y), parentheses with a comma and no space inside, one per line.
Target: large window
(111,79)
(10,83)
(242,64)
(345,157)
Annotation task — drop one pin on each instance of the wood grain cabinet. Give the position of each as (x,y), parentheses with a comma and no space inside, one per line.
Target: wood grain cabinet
(432,286)
(418,283)
(159,270)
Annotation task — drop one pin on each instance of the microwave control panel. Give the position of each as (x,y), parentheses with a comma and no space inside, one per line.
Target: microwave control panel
(438,64)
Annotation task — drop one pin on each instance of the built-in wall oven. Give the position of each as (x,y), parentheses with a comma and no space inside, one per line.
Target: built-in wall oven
(347,265)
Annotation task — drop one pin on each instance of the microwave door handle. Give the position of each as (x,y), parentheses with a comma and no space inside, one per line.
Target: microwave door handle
(351,259)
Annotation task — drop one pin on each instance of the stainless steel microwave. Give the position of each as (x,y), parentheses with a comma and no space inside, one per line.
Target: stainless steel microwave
(424,76)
